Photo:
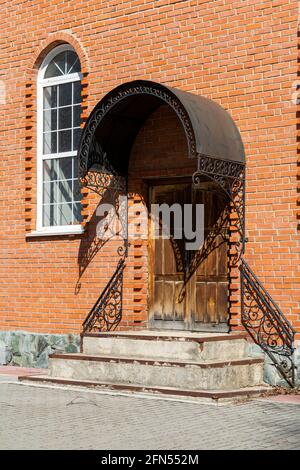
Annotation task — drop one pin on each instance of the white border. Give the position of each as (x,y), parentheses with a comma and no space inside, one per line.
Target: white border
(41,83)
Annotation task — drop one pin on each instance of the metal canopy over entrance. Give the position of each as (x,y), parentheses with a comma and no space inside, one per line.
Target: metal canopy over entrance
(212,139)
(211,134)
(116,120)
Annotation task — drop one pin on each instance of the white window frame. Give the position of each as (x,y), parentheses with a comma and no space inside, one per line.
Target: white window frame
(41,84)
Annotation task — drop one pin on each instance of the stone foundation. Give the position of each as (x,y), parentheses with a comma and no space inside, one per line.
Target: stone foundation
(20,348)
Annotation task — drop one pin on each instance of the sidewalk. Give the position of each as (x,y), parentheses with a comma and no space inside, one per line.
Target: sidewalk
(43,417)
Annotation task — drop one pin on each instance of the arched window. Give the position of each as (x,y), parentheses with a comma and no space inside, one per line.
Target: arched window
(59,109)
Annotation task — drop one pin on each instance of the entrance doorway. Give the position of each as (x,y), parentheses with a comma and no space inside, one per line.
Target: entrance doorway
(188,288)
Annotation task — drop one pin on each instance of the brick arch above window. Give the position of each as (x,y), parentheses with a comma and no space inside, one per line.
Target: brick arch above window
(50,43)
(30,137)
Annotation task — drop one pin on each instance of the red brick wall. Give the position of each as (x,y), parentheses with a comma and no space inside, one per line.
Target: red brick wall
(241,54)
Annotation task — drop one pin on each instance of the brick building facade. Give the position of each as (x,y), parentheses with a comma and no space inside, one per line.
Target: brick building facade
(243,55)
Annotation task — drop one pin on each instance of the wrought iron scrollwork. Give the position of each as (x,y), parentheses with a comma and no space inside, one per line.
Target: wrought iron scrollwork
(230,176)
(266,324)
(261,316)
(101,178)
(106,314)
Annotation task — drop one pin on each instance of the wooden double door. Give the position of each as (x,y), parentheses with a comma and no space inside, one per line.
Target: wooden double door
(188,288)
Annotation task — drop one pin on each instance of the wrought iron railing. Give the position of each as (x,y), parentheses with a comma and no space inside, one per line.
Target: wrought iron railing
(106,314)
(266,324)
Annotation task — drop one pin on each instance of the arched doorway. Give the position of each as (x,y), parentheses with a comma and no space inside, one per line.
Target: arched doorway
(188,276)
(188,289)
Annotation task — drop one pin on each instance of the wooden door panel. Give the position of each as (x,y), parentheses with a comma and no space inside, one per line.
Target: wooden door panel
(211,264)
(169,263)
(167,279)
(200,314)
(210,278)
(158,260)
(222,257)
(206,290)
(211,302)
(168,302)
(158,296)
(222,301)
(179,307)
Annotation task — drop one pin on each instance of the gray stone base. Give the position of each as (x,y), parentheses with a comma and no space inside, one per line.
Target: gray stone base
(20,348)
(271,375)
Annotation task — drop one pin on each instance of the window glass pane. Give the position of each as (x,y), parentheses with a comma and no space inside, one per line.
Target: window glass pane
(50,97)
(77,213)
(60,61)
(56,66)
(50,192)
(50,169)
(77,92)
(76,191)
(65,191)
(52,70)
(65,117)
(49,215)
(75,167)
(65,94)
(50,142)
(64,141)
(61,199)
(50,120)
(76,116)
(76,138)
(65,168)
(73,64)
(64,216)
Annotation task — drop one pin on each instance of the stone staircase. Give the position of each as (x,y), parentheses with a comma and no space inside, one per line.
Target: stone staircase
(198,365)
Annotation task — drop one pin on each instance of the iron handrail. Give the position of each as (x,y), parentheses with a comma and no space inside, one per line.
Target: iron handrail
(106,313)
(266,324)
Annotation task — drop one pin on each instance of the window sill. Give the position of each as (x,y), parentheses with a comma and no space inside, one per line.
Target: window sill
(59,231)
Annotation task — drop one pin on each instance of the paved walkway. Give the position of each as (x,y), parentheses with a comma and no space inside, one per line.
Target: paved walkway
(12,373)
(34,417)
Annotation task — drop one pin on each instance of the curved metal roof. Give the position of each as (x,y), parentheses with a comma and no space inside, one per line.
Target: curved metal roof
(115,121)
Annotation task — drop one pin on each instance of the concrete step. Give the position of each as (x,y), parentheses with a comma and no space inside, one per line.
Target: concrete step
(171,346)
(208,375)
(171,392)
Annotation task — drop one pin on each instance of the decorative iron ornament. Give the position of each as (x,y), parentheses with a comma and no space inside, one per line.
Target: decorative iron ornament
(230,176)
(101,176)
(266,324)
(100,181)
(106,314)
